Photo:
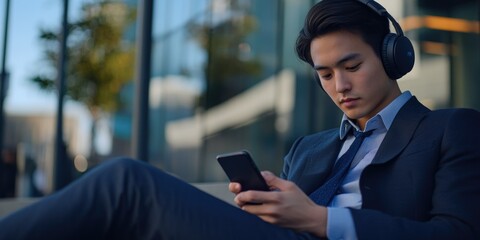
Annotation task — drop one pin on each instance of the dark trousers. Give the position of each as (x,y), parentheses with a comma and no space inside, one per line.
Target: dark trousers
(128,199)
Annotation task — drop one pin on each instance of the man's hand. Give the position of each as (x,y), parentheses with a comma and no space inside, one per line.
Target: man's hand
(286,206)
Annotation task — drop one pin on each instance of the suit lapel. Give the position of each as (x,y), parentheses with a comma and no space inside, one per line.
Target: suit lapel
(320,160)
(401,131)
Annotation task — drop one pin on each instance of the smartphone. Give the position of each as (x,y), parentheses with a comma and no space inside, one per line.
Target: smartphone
(240,167)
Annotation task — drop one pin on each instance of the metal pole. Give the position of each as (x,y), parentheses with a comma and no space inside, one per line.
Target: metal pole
(60,149)
(3,79)
(140,128)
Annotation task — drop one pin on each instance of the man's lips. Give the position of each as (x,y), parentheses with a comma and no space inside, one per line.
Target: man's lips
(348,100)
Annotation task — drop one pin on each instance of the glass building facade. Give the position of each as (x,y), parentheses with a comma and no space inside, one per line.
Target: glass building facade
(225,77)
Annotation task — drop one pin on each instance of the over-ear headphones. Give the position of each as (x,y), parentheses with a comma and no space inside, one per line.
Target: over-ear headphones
(398,55)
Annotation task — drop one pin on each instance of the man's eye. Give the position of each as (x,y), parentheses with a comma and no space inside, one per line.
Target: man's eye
(353,68)
(326,76)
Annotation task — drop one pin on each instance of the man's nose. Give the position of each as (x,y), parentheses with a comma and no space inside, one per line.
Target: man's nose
(342,82)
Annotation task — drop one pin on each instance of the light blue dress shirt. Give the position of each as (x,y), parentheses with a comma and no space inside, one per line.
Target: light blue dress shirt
(340,223)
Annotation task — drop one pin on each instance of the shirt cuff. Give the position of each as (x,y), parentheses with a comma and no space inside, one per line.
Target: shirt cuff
(340,224)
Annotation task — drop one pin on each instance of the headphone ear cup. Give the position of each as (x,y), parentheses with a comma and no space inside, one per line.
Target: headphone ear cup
(387,55)
(398,56)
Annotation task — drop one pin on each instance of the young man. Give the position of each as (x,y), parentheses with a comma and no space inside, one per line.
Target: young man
(415,176)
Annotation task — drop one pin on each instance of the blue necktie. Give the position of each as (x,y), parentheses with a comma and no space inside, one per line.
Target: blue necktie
(324,194)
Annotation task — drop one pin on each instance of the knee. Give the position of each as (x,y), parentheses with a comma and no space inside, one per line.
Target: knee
(122,166)
(119,167)
(122,173)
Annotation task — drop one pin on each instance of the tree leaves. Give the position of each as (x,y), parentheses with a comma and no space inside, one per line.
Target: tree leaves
(99,59)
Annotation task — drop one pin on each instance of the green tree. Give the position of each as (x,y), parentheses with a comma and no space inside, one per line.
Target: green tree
(99,61)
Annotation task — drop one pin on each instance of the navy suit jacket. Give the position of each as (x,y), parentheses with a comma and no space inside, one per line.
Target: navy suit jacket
(423,183)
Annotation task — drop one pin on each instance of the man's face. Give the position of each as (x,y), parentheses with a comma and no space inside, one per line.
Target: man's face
(352,75)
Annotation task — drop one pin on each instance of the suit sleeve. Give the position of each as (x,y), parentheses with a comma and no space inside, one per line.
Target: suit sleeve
(455,212)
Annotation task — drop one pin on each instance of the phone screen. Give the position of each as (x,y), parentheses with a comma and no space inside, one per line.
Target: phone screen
(240,167)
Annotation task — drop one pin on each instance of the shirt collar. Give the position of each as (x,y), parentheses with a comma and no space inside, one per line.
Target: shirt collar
(382,119)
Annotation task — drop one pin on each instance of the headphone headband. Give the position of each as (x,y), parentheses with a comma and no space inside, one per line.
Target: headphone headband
(380,10)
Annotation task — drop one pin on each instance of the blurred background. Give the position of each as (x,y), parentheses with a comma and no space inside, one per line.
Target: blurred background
(175,83)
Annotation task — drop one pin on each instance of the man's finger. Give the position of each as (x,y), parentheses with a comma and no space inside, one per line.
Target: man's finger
(276,182)
(234,187)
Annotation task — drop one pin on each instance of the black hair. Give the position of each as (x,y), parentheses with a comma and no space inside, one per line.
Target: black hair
(334,15)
